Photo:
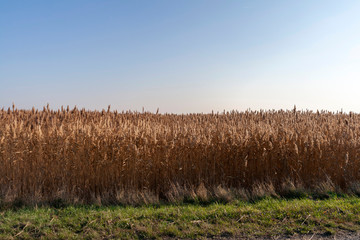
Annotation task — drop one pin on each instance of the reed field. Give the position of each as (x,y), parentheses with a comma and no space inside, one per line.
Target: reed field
(109,157)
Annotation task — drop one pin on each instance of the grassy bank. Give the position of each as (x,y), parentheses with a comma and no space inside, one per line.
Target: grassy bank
(264,218)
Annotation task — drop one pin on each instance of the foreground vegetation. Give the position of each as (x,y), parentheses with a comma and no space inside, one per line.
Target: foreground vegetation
(108,157)
(266,218)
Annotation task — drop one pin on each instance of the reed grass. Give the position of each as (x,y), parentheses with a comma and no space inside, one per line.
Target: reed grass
(105,156)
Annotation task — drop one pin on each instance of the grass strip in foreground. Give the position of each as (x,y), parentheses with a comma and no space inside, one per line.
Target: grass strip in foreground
(264,218)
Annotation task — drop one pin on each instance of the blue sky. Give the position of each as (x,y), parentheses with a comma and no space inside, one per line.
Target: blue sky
(181,56)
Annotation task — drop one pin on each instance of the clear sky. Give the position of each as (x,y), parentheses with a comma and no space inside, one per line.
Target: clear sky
(181,56)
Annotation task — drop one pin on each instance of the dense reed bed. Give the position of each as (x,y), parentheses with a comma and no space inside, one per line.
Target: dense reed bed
(106,156)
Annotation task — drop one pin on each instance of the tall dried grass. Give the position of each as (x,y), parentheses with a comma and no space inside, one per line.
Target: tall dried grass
(91,156)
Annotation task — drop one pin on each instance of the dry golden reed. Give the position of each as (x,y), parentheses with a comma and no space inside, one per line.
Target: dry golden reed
(91,156)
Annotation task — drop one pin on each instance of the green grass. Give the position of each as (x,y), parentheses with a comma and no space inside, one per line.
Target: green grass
(266,217)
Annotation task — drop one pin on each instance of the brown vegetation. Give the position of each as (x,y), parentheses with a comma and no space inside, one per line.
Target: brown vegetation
(105,156)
